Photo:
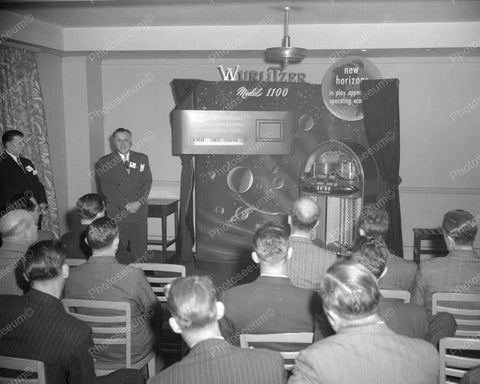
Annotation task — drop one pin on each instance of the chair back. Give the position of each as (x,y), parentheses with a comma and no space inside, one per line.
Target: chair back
(27,368)
(74,262)
(114,329)
(454,362)
(159,275)
(465,307)
(305,338)
(397,294)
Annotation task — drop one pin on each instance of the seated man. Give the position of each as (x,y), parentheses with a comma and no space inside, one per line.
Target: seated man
(309,262)
(270,304)
(89,208)
(364,350)
(211,360)
(374,222)
(18,230)
(404,319)
(44,331)
(458,272)
(103,278)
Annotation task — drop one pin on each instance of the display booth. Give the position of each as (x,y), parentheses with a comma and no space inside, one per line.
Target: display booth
(250,148)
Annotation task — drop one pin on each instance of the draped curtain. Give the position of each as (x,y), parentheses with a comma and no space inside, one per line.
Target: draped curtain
(382,126)
(21,108)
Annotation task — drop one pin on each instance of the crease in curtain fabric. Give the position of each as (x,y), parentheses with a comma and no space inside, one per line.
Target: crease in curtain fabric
(382,126)
(22,108)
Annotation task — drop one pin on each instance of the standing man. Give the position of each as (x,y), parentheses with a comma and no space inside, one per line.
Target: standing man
(17,173)
(125,181)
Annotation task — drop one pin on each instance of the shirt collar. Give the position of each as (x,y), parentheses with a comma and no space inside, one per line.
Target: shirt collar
(125,157)
(13,156)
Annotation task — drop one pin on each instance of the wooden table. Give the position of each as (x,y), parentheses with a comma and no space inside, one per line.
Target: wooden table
(162,208)
(431,234)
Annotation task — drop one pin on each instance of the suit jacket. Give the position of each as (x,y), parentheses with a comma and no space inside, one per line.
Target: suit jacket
(120,187)
(12,281)
(103,278)
(458,272)
(404,319)
(270,304)
(400,274)
(215,361)
(308,264)
(13,180)
(75,247)
(369,354)
(42,330)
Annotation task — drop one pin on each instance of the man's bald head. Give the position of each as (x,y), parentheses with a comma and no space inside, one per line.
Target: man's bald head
(305,214)
(19,225)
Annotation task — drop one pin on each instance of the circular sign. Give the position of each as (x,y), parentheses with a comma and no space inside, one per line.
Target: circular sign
(341,86)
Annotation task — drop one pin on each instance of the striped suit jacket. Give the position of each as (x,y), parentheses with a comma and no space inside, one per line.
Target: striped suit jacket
(308,264)
(215,361)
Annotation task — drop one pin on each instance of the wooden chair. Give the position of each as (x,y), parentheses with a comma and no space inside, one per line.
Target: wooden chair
(459,305)
(27,368)
(74,262)
(451,364)
(114,329)
(306,338)
(397,294)
(158,283)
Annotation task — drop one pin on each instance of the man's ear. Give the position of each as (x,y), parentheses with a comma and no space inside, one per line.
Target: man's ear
(220,310)
(65,271)
(289,253)
(255,257)
(289,220)
(383,273)
(361,232)
(174,325)
(333,319)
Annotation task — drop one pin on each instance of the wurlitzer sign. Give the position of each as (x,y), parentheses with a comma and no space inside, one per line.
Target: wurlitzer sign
(271,75)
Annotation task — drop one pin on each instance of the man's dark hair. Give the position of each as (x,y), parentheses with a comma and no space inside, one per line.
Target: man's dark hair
(270,242)
(374,221)
(192,301)
(44,260)
(371,253)
(305,214)
(90,205)
(101,233)
(461,226)
(20,201)
(121,130)
(9,136)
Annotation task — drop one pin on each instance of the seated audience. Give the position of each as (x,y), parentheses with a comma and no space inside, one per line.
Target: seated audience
(19,201)
(364,350)
(44,331)
(89,208)
(309,262)
(374,222)
(270,304)
(195,313)
(103,278)
(404,319)
(18,230)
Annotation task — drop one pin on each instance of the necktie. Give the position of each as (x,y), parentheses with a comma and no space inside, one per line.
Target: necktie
(127,165)
(19,162)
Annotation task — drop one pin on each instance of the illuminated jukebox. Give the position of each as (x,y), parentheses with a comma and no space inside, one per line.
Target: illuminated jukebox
(341,176)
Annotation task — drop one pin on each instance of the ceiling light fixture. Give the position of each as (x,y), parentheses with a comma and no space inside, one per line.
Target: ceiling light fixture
(285,54)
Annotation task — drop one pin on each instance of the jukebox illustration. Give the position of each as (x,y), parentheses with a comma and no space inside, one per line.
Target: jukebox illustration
(341,177)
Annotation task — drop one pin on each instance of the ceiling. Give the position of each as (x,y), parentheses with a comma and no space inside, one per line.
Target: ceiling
(116,13)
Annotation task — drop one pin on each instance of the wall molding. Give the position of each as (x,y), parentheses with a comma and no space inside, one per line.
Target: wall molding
(440,190)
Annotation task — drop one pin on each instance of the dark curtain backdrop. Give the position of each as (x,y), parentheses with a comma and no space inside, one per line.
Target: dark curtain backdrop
(382,126)
(21,108)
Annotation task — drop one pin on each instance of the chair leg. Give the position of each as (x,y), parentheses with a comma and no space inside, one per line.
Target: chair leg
(151,367)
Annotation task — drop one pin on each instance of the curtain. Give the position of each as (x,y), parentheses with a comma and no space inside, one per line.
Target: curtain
(382,126)
(21,108)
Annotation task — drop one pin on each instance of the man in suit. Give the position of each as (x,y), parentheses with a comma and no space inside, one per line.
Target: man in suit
(17,173)
(18,230)
(364,350)
(374,222)
(270,304)
(404,319)
(36,326)
(125,181)
(459,271)
(211,360)
(309,262)
(89,208)
(102,277)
